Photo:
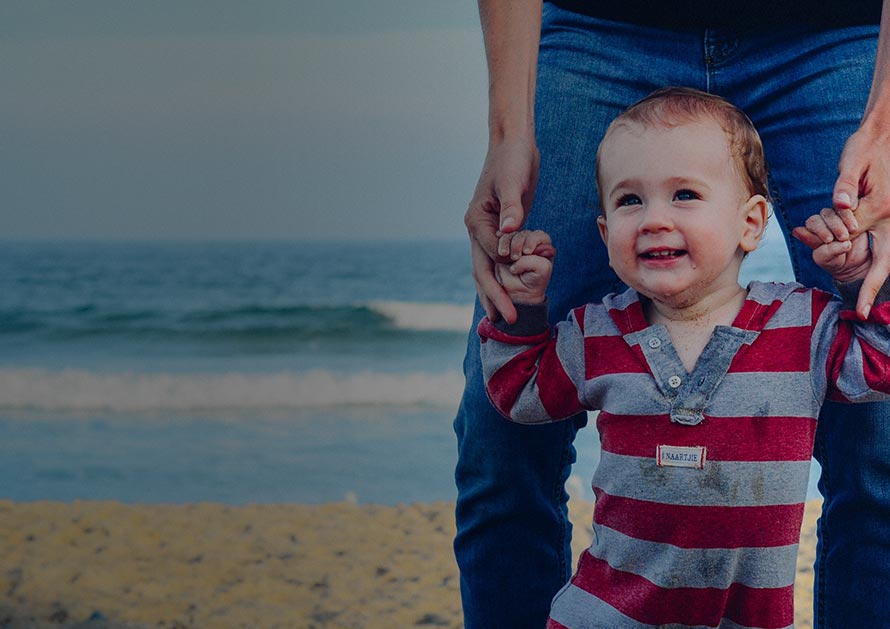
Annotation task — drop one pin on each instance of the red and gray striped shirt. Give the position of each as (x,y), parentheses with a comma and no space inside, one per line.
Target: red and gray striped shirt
(703,475)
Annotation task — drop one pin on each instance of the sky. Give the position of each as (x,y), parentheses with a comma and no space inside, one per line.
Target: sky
(226,119)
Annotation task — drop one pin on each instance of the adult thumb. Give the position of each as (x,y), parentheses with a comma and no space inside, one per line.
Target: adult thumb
(512,215)
(845,195)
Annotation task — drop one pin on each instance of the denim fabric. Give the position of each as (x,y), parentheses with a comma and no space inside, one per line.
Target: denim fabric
(805,91)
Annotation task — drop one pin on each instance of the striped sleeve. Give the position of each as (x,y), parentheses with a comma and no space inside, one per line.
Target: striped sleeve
(537,376)
(851,358)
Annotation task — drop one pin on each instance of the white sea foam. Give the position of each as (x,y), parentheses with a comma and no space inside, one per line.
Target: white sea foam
(409,315)
(80,390)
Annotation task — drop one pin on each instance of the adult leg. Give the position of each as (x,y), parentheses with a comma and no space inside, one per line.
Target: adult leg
(806,94)
(513,538)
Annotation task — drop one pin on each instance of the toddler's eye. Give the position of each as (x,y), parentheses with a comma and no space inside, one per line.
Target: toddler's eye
(629,199)
(686,195)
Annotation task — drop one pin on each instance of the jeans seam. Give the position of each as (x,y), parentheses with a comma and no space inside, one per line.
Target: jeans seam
(706,55)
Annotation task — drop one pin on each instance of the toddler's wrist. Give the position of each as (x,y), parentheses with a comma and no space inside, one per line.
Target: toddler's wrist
(531,319)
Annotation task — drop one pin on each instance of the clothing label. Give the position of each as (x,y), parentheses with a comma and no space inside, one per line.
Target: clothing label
(681,456)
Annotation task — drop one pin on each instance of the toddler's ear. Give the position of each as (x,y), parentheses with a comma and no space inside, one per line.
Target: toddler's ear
(603,227)
(755,214)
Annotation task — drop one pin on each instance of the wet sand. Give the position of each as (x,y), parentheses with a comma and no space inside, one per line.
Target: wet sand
(107,564)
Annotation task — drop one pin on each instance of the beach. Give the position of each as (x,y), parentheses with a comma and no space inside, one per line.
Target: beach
(196,435)
(114,565)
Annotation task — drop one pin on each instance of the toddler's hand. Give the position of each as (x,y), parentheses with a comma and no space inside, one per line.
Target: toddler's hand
(525,264)
(846,258)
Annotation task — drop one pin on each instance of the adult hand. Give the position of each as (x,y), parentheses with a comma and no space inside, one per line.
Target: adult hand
(862,199)
(500,205)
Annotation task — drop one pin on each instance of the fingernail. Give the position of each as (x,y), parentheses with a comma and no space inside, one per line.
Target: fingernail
(866,310)
(842,198)
(508,222)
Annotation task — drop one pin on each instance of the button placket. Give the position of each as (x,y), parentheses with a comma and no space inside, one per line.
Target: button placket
(664,363)
(687,394)
(688,407)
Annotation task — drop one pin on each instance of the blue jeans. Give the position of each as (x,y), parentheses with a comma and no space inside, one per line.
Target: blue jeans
(805,91)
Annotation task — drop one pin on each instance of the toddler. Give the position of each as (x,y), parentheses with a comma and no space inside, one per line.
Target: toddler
(707,392)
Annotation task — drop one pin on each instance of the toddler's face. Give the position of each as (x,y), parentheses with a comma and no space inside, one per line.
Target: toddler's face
(677,216)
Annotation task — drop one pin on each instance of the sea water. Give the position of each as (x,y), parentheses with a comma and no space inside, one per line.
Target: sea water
(241,371)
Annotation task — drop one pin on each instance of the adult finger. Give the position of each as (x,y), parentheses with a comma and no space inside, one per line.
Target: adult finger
(876,276)
(492,295)
(481,221)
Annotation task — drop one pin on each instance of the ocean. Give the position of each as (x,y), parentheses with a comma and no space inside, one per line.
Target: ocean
(241,372)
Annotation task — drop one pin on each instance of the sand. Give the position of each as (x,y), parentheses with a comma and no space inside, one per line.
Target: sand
(107,564)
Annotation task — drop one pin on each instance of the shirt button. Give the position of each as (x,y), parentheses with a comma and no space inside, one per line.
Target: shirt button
(675,381)
(654,343)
